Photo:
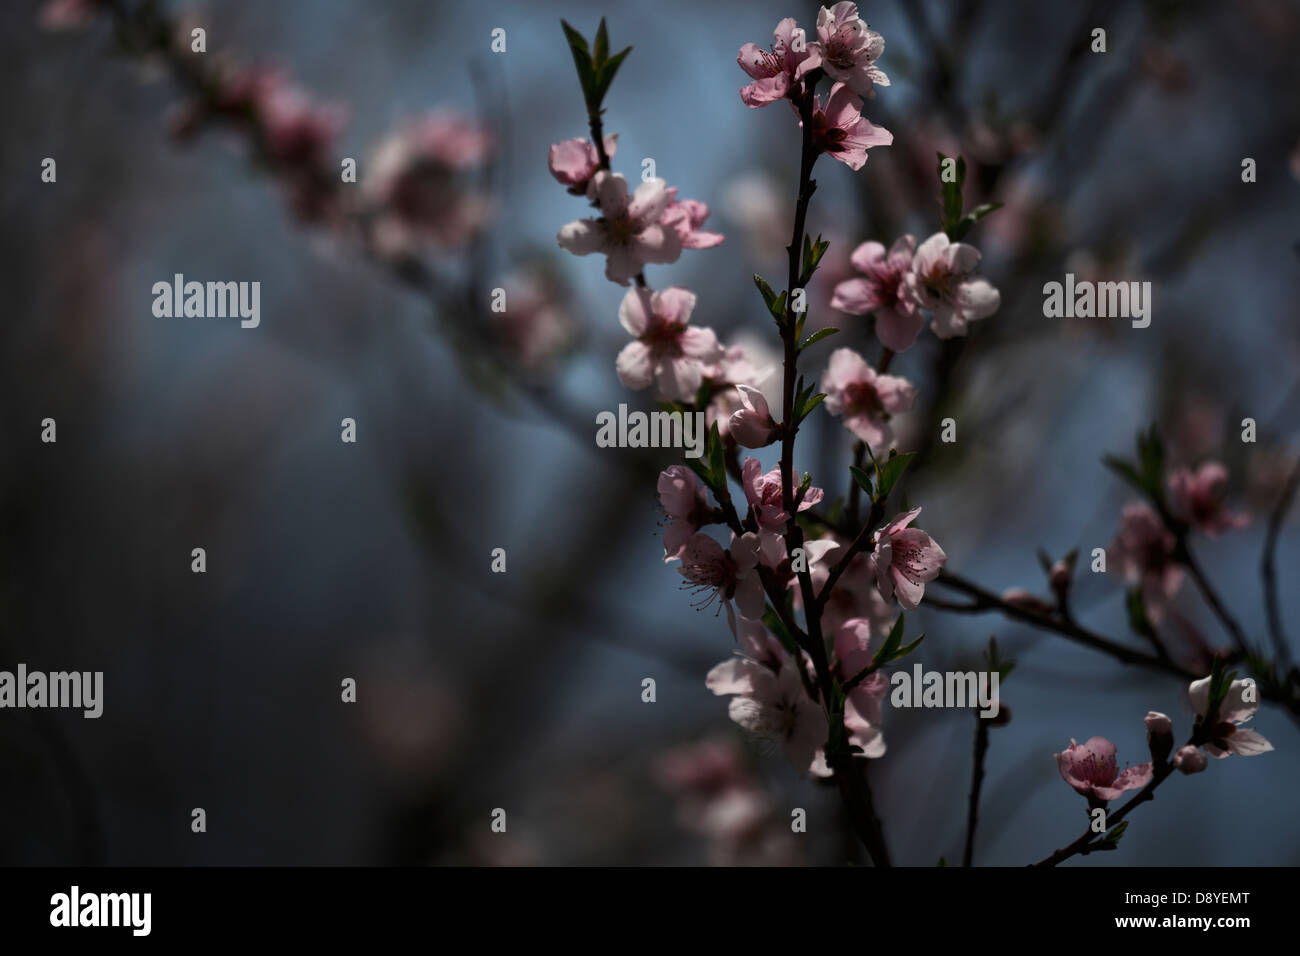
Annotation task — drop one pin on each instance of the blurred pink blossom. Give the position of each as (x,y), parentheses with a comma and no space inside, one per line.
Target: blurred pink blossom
(1198,499)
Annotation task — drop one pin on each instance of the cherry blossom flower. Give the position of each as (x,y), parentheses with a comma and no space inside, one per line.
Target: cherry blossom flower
(848,49)
(943,279)
(855,594)
(1145,549)
(865,399)
(1091,770)
(777,71)
(769,696)
(1198,498)
(574,162)
(764,494)
(627,232)
(415,183)
(720,799)
(684,503)
(685,217)
(883,291)
(904,559)
(862,708)
(840,129)
(724,575)
(753,425)
(536,329)
(1237,708)
(668,350)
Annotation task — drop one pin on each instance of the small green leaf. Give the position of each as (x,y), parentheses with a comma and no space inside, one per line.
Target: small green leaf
(817,337)
(1114,833)
(863,479)
(1137,613)
(968,221)
(600,49)
(890,647)
(891,471)
(609,69)
(717,459)
(908,648)
(765,290)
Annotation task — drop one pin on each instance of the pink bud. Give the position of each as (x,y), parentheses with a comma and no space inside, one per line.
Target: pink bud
(1190,759)
(1160,735)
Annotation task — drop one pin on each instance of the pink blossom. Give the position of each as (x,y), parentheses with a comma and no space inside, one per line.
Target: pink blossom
(683,501)
(722,801)
(1198,498)
(855,594)
(1145,549)
(776,72)
(849,49)
(840,129)
(686,217)
(415,183)
(295,128)
(943,279)
(1091,770)
(883,291)
(536,328)
(628,232)
(667,351)
(904,559)
(865,399)
(753,425)
(764,494)
(68,14)
(770,699)
(1228,737)
(862,708)
(724,575)
(574,162)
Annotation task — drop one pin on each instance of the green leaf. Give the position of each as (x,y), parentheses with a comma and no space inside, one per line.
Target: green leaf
(600,49)
(701,472)
(817,337)
(1135,604)
(1125,470)
(892,642)
(717,460)
(891,471)
(908,648)
(951,194)
(586,71)
(809,404)
(609,69)
(863,479)
(967,222)
(1114,833)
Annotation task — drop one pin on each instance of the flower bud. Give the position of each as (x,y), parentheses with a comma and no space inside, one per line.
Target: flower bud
(1027,602)
(1190,759)
(1059,577)
(1160,736)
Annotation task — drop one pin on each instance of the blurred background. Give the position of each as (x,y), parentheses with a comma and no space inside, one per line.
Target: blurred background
(522,690)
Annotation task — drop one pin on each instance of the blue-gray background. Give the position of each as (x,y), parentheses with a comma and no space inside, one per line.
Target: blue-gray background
(522,690)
